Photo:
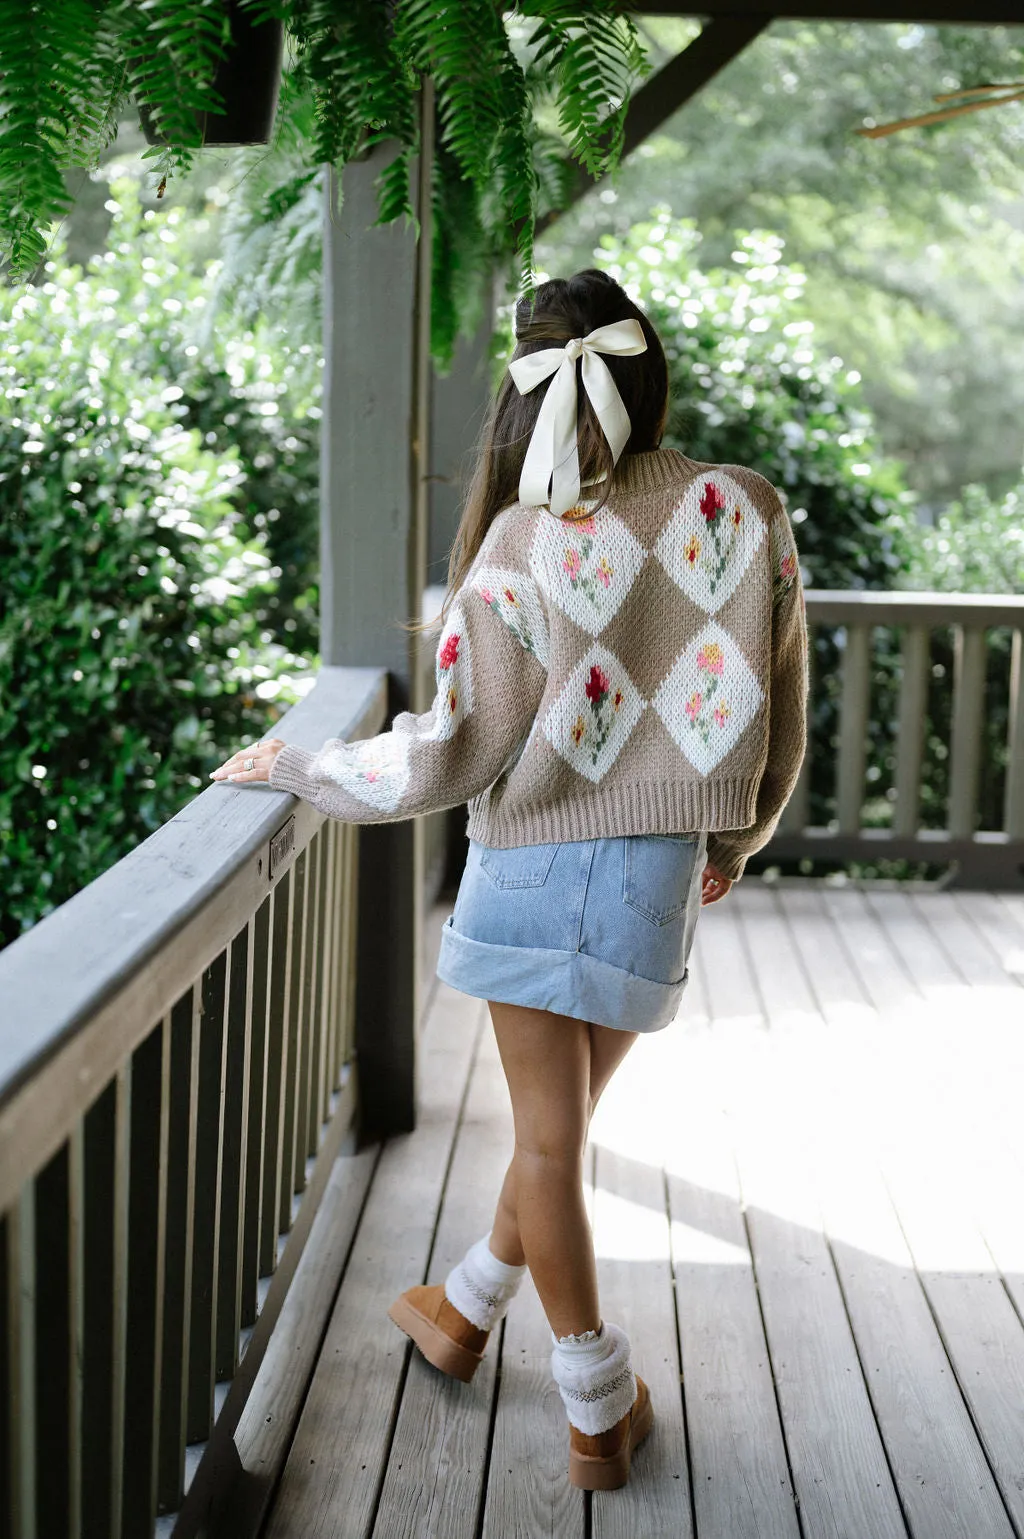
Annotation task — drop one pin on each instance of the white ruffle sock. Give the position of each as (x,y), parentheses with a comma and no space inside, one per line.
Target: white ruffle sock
(481,1287)
(595,1377)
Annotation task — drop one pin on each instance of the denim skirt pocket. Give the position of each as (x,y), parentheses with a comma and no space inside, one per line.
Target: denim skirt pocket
(657,875)
(526,865)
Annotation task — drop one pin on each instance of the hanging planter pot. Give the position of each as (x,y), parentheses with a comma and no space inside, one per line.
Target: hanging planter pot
(248,81)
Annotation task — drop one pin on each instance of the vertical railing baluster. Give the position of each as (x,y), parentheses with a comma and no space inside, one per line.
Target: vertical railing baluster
(853,727)
(205,1240)
(346,954)
(913,709)
(294,1056)
(277,1037)
(76,1301)
(256,1115)
(307,1029)
(318,1099)
(335,946)
(233,1155)
(1013,801)
(147,1217)
(10,1470)
(350,889)
(119,1345)
(179,1230)
(968,714)
(306,1143)
(21,1354)
(53,1345)
(99,1159)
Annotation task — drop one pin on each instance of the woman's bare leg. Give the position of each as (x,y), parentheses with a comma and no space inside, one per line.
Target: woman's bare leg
(556,1068)
(608,1047)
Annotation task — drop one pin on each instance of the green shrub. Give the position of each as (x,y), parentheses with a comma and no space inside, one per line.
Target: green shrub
(135,602)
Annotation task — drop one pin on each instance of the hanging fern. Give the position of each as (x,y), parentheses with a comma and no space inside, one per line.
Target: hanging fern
(67,68)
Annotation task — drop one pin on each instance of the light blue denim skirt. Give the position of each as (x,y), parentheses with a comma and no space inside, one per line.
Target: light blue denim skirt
(599,929)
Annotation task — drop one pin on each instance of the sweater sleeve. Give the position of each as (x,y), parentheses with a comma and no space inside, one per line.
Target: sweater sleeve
(787,707)
(490,670)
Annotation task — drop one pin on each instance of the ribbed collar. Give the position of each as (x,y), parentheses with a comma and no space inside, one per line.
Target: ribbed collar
(651,471)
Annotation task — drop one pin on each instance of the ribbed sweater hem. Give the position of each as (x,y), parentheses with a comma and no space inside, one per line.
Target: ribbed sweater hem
(640,807)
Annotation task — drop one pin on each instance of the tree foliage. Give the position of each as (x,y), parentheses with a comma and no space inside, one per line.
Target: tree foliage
(151,600)
(913,245)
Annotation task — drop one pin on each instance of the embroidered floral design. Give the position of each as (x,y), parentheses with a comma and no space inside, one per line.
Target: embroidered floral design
(784,562)
(712,502)
(513,599)
(597,690)
(581,516)
(709,697)
(710,539)
(586,566)
(710,658)
(597,686)
(593,714)
(449,653)
(375,770)
(453,699)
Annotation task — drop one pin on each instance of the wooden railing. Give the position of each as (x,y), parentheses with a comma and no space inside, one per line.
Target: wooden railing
(176,1080)
(984,856)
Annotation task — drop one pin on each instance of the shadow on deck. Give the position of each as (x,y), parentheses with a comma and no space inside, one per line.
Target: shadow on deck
(806,1198)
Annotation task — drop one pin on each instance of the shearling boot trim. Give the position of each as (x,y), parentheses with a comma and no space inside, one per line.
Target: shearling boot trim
(597,1395)
(481,1287)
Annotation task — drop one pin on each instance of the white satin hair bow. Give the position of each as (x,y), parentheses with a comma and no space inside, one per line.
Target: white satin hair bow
(552,455)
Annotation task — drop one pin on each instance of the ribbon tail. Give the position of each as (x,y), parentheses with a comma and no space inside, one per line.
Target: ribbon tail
(607,403)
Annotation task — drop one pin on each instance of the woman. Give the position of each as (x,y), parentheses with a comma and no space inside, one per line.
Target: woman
(621,686)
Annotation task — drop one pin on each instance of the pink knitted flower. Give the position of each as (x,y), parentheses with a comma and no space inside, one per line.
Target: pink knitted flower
(693,705)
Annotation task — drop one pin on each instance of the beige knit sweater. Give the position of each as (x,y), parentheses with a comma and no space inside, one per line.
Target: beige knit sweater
(638,669)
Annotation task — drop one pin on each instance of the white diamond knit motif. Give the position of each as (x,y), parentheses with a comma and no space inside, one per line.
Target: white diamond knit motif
(708,697)
(454,678)
(586,566)
(512,598)
(375,771)
(594,714)
(709,541)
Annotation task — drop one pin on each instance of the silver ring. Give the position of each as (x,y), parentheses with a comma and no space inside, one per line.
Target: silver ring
(249,765)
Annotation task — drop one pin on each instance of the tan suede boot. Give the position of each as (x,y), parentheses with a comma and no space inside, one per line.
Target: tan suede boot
(444,1336)
(600,1461)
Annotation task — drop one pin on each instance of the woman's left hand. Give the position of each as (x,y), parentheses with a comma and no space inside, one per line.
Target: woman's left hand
(260,756)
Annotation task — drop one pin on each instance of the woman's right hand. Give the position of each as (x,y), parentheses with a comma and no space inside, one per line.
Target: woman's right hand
(713,885)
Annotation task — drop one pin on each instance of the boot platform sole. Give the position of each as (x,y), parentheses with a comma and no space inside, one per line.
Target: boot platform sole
(607,1473)
(447,1355)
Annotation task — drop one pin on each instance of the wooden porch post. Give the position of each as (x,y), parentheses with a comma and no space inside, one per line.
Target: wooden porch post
(373,570)
(457,405)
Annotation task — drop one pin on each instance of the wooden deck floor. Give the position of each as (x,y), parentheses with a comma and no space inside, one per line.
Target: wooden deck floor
(808,1207)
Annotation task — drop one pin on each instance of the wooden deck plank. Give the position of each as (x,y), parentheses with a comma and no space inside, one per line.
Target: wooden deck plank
(528,1491)
(885,982)
(942,1475)
(631,1237)
(932,1154)
(997,926)
(838,1461)
(741,1481)
(434,1482)
(337,1462)
(968,952)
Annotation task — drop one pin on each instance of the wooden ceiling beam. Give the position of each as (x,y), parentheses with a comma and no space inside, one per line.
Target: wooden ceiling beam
(984,13)
(672,87)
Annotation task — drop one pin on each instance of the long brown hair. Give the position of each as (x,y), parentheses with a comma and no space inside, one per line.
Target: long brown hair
(562,309)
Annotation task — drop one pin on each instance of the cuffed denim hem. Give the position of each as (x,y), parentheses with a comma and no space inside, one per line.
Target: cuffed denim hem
(567,982)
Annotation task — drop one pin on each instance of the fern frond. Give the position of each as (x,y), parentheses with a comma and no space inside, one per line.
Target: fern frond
(47,51)
(594,54)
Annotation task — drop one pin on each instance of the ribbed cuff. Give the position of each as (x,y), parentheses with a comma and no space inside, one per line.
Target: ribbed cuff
(730,865)
(290,772)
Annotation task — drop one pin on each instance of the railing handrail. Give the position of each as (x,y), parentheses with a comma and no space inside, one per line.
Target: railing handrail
(894,606)
(57,976)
